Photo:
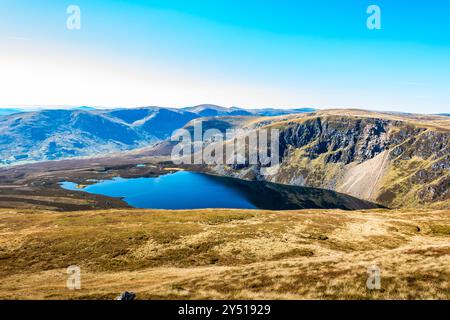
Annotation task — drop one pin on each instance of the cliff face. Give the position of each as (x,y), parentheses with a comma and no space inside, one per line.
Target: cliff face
(383,159)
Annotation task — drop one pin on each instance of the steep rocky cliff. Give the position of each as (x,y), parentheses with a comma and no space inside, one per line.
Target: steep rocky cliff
(397,161)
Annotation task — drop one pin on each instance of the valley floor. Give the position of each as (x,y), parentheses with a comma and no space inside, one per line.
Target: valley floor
(225,254)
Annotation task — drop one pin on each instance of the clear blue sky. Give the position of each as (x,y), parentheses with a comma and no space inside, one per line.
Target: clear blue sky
(289,53)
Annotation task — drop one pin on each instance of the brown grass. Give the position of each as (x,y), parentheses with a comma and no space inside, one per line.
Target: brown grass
(225,254)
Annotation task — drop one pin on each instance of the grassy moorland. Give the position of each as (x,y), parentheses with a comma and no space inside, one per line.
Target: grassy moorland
(218,254)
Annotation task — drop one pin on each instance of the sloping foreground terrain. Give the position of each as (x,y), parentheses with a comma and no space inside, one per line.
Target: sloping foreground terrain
(234,254)
(395,160)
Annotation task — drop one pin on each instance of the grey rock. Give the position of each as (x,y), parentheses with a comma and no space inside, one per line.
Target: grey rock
(128,296)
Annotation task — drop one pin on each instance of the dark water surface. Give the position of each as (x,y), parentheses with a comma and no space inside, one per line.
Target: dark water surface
(192,190)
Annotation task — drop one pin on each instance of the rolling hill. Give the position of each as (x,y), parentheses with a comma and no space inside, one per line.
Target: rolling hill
(85,132)
(395,160)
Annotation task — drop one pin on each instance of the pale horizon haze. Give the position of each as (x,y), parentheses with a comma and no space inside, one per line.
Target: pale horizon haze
(248,54)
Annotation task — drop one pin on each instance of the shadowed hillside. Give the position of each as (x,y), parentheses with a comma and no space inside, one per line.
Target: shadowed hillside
(395,160)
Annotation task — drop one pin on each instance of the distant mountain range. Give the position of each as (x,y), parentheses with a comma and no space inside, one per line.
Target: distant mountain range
(208,110)
(8,111)
(51,134)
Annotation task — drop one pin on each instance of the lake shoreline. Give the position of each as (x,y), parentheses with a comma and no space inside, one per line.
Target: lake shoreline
(190,187)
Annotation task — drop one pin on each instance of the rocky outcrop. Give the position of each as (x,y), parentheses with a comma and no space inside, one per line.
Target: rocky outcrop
(127,296)
(395,163)
(342,140)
